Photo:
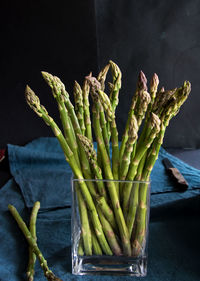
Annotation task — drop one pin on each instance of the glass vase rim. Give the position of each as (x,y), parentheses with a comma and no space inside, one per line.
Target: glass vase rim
(110,180)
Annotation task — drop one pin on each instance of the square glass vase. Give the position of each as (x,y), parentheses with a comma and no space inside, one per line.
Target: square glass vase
(109,225)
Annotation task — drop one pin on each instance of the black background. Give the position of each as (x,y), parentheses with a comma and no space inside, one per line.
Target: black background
(71,38)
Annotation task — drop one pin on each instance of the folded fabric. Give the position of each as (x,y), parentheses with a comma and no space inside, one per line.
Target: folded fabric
(174,221)
(40,168)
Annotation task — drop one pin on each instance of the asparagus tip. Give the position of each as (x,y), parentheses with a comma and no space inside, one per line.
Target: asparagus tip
(142,81)
(154,82)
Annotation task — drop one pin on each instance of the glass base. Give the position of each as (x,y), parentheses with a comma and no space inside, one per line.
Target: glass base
(109,265)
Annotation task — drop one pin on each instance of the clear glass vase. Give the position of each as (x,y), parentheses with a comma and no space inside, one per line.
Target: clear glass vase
(110,227)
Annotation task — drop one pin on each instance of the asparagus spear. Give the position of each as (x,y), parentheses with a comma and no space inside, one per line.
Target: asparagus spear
(80,247)
(56,87)
(92,157)
(86,90)
(112,240)
(105,101)
(141,87)
(33,244)
(169,111)
(102,199)
(134,194)
(116,85)
(34,102)
(108,173)
(102,76)
(95,244)
(32,227)
(133,201)
(85,226)
(105,125)
(142,104)
(132,137)
(78,98)
(153,90)
(154,126)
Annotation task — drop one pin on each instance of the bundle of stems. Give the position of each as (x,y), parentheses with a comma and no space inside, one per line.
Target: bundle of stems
(113,214)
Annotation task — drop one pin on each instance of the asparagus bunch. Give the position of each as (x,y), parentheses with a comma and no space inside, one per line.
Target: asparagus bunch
(113,213)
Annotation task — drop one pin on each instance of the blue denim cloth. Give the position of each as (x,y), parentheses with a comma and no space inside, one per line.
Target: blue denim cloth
(40,172)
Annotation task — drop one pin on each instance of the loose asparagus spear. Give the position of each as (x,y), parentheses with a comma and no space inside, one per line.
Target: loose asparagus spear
(33,244)
(32,227)
(86,104)
(34,102)
(78,98)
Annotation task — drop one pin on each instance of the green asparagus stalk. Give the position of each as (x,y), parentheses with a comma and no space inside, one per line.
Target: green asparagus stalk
(170,110)
(85,226)
(34,102)
(33,244)
(56,87)
(92,157)
(154,125)
(105,125)
(112,240)
(153,90)
(126,159)
(80,247)
(78,98)
(137,115)
(102,199)
(108,173)
(116,85)
(141,87)
(86,104)
(102,76)
(83,158)
(132,137)
(95,84)
(95,244)
(105,101)
(133,201)
(32,227)
(142,104)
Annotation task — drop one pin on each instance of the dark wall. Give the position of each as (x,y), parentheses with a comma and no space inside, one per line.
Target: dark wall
(71,38)
(55,36)
(155,36)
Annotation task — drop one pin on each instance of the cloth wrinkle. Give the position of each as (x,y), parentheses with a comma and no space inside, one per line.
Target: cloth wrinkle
(40,172)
